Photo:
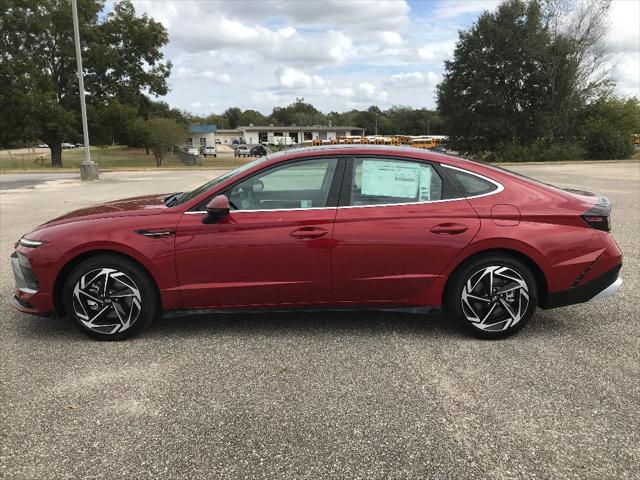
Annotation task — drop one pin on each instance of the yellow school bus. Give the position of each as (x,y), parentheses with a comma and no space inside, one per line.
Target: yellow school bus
(424,142)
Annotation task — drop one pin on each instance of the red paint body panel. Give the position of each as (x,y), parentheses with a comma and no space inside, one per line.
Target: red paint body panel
(390,254)
(400,254)
(251,258)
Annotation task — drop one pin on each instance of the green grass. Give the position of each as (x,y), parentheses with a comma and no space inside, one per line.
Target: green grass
(117,157)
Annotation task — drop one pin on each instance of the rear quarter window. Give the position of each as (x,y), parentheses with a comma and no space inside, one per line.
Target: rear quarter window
(471,185)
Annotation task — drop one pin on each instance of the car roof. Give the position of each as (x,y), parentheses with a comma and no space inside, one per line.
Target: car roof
(366,149)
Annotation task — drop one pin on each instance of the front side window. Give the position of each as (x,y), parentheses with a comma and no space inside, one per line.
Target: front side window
(384,181)
(304,184)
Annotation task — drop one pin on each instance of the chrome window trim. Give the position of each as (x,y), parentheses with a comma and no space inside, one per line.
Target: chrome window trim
(499,188)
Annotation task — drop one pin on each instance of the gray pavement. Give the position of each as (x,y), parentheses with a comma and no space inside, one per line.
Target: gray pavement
(366,395)
(10,181)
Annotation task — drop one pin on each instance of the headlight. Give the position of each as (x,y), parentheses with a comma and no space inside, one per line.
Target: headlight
(25,242)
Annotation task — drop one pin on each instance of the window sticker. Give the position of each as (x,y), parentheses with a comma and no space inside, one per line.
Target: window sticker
(390,179)
(305,203)
(425,183)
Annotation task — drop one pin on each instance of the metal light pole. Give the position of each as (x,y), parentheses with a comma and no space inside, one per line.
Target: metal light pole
(88,169)
(376,124)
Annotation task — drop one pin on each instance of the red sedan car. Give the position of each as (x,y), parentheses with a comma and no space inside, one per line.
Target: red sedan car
(338,226)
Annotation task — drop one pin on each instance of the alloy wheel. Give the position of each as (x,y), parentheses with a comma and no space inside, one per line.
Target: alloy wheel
(106,301)
(495,298)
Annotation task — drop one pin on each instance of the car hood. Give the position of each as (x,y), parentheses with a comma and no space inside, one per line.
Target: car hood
(146,205)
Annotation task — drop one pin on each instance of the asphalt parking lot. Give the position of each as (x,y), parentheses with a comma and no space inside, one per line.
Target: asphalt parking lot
(366,395)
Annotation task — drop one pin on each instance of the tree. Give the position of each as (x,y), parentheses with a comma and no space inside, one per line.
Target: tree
(608,126)
(493,89)
(298,113)
(252,117)
(38,85)
(524,74)
(233,116)
(162,135)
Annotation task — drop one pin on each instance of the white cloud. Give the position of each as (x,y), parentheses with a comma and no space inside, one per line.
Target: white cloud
(437,51)
(408,79)
(391,38)
(456,8)
(188,73)
(335,53)
(289,77)
(350,15)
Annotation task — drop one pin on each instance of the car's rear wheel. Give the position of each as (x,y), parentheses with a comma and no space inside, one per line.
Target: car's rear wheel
(110,297)
(492,296)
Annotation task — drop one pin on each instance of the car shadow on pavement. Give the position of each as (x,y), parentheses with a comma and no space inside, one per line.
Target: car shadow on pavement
(305,322)
(366,322)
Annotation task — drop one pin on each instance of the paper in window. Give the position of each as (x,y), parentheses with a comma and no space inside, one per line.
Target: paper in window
(384,178)
(425,183)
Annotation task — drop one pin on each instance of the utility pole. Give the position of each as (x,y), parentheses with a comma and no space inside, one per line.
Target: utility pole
(88,169)
(376,124)
(299,101)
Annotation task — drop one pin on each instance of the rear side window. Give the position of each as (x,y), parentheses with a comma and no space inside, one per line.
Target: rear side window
(472,185)
(385,181)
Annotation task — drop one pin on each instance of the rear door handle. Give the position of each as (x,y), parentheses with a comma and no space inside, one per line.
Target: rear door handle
(449,229)
(308,232)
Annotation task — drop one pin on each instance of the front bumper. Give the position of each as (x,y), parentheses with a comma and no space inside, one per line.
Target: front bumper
(603,286)
(26,281)
(27,297)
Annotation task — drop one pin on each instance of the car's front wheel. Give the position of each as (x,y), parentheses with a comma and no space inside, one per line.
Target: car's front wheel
(110,297)
(492,296)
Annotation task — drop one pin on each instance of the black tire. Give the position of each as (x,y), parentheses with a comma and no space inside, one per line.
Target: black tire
(516,288)
(129,305)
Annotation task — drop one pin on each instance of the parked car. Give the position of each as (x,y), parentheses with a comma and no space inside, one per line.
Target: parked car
(210,151)
(347,225)
(43,145)
(258,151)
(193,151)
(67,146)
(439,149)
(78,145)
(241,151)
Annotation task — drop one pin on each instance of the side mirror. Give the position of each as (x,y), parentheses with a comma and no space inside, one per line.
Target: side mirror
(217,207)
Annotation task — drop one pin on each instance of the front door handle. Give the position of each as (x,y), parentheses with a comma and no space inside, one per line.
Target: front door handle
(449,229)
(308,232)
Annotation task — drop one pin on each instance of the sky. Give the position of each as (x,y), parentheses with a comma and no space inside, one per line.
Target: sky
(336,54)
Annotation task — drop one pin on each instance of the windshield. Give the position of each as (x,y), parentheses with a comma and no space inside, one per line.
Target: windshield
(186,196)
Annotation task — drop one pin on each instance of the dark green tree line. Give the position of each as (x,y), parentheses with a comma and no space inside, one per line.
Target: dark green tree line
(38,84)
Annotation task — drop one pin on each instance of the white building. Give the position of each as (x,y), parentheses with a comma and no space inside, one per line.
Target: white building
(203,135)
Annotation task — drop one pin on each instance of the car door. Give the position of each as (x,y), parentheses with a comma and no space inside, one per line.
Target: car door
(274,248)
(396,229)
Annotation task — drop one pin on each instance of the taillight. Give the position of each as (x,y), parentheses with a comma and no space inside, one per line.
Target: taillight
(599,215)
(598,222)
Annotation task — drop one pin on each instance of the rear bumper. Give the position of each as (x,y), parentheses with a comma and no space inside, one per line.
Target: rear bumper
(603,286)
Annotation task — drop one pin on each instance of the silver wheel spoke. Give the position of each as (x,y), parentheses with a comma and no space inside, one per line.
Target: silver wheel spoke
(107,301)
(495,298)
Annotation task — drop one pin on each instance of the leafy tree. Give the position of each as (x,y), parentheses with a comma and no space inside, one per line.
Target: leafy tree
(493,89)
(162,135)
(298,113)
(217,120)
(233,116)
(252,117)
(524,75)
(608,127)
(112,124)
(38,85)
